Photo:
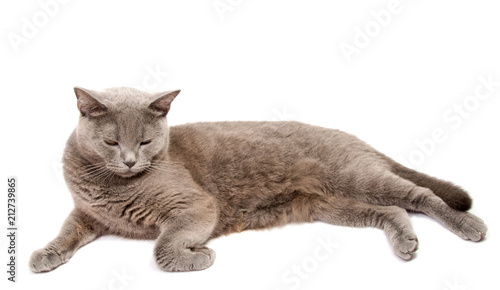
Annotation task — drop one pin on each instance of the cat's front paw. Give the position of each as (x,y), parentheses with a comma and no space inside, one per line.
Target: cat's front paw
(44,260)
(195,260)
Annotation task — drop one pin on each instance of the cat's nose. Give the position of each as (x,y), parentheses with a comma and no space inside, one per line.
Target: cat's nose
(129,163)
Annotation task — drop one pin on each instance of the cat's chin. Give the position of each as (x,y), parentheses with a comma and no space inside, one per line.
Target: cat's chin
(128,174)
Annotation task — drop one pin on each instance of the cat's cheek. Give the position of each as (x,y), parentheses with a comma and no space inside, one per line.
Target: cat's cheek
(112,155)
(146,154)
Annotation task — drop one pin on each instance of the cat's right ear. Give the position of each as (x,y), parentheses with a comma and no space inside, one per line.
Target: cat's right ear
(88,104)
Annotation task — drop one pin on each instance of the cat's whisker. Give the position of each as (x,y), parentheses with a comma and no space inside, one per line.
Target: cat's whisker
(91,169)
(95,164)
(151,169)
(101,174)
(84,167)
(162,168)
(159,166)
(109,175)
(163,162)
(93,172)
(92,166)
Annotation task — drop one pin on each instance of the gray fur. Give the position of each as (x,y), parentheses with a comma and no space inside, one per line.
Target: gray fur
(131,176)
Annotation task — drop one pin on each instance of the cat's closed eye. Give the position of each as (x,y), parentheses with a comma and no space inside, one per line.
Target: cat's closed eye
(145,142)
(111,143)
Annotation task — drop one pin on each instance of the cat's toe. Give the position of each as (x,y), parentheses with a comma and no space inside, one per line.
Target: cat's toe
(202,259)
(44,261)
(472,228)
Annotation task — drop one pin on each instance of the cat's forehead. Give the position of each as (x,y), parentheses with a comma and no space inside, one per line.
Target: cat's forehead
(126,96)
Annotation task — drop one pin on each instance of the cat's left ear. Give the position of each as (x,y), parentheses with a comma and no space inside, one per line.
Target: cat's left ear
(161,104)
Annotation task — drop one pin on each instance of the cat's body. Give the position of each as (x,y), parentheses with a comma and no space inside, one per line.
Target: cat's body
(204,180)
(252,171)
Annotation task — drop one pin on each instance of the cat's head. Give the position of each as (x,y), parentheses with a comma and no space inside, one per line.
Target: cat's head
(123,129)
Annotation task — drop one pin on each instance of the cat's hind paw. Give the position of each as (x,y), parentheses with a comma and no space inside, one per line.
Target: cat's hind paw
(471,228)
(405,246)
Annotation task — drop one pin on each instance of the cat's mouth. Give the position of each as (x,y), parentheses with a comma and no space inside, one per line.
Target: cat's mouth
(126,172)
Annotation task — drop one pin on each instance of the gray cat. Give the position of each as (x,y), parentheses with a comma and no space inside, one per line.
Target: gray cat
(133,177)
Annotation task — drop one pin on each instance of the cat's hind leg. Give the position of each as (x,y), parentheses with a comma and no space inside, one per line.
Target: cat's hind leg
(390,189)
(452,195)
(392,219)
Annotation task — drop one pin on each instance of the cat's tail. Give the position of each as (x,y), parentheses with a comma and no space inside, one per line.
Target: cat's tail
(454,196)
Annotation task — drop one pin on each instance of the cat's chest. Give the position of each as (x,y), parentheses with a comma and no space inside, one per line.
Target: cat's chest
(129,210)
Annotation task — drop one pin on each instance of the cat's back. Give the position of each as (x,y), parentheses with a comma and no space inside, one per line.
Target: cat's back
(260,150)
(210,137)
(247,139)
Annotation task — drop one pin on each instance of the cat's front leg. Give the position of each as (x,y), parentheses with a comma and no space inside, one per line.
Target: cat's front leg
(78,230)
(180,246)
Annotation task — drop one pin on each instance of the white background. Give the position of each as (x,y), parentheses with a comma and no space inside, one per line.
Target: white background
(262,60)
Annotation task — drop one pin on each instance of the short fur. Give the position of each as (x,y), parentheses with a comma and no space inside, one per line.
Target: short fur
(133,177)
